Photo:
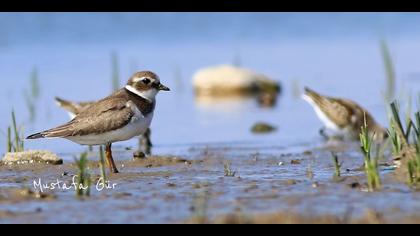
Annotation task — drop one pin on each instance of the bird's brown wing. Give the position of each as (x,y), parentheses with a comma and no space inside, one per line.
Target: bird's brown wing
(359,114)
(73,107)
(338,110)
(105,115)
(335,109)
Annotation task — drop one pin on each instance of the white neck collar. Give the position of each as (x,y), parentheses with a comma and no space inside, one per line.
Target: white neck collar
(133,90)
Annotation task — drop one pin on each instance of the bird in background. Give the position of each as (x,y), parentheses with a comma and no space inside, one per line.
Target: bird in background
(342,117)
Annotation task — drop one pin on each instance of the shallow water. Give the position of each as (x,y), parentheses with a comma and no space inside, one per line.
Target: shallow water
(339,57)
(338,65)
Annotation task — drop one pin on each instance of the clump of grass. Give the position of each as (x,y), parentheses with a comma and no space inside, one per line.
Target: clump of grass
(228,170)
(399,135)
(395,139)
(16,143)
(414,172)
(102,165)
(406,143)
(337,165)
(413,167)
(389,70)
(115,78)
(83,177)
(371,164)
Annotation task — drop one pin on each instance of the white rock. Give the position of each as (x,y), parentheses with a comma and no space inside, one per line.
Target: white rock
(226,78)
(32,156)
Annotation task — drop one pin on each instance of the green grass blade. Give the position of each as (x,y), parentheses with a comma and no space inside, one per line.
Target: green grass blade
(417,116)
(397,120)
(35,88)
(16,133)
(30,105)
(371,164)
(22,137)
(337,165)
(389,70)
(9,139)
(410,168)
(83,177)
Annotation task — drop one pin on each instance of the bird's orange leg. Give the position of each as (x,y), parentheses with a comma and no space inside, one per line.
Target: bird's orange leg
(109,159)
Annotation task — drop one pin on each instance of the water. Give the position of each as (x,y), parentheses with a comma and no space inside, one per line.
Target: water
(331,53)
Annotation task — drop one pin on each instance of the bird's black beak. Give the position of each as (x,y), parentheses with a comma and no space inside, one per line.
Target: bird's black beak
(163,88)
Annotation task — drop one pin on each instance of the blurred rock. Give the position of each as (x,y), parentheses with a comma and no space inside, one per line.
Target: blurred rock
(227,80)
(32,156)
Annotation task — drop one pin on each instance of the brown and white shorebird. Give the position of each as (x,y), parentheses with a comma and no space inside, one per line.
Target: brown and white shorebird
(74,108)
(121,116)
(342,116)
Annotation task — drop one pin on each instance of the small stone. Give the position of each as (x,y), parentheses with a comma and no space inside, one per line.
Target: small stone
(295,162)
(261,127)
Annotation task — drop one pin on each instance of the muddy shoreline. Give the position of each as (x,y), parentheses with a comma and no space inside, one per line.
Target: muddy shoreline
(268,187)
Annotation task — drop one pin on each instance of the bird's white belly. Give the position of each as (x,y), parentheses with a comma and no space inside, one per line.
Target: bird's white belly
(327,121)
(137,126)
(321,115)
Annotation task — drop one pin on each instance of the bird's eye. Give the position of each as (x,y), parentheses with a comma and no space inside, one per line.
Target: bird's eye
(146,81)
